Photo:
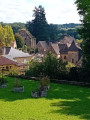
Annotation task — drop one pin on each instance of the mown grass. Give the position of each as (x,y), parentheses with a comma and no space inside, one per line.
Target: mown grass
(63,102)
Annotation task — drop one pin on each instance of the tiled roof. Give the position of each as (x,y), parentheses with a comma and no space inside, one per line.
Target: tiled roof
(6,61)
(67,40)
(44,44)
(14,53)
(55,48)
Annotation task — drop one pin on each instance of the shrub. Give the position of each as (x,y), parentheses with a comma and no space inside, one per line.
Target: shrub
(50,66)
(69,66)
(44,81)
(17,83)
(73,74)
(13,72)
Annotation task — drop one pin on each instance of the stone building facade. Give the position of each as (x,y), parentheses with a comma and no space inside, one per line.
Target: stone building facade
(6,65)
(29,40)
(15,54)
(42,47)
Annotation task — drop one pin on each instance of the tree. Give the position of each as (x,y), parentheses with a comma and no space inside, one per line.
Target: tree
(19,40)
(50,66)
(2,40)
(39,26)
(53,30)
(83,7)
(6,35)
(17,26)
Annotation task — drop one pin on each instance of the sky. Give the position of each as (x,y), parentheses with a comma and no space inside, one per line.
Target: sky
(57,11)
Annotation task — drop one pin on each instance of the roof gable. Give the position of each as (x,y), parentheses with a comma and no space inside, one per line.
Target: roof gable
(44,44)
(55,48)
(73,47)
(6,61)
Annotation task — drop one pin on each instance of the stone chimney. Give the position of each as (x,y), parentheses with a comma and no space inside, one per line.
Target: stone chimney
(2,51)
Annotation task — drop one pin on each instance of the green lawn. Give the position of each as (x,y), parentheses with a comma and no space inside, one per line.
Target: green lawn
(63,102)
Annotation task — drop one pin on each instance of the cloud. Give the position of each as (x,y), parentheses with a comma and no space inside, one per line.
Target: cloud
(57,11)
(15,11)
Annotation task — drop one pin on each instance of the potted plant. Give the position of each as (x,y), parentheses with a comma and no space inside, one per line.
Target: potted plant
(17,86)
(42,89)
(44,83)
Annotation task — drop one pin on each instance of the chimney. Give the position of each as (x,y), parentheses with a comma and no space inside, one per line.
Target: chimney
(2,50)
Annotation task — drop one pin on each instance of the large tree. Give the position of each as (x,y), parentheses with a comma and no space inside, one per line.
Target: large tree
(6,35)
(83,7)
(39,26)
(2,40)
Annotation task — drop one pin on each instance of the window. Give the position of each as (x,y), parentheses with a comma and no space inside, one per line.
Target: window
(7,67)
(64,57)
(72,60)
(25,60)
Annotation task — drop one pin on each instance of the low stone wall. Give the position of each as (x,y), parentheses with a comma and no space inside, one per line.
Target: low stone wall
(71,82)
(57,81)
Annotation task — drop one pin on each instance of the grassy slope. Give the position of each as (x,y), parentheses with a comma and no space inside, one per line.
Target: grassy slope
(63,102)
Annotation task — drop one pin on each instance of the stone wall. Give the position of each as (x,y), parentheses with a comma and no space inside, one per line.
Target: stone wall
(73,57)
(64,57)
(40,48)
(30,41)
(23,59)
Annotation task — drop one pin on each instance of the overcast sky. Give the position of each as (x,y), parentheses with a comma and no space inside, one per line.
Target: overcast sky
(57,11)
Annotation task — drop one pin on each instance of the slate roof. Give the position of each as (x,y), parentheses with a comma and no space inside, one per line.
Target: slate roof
(6,61)
(11,52)
(73,47)
(44,44)
(63,48)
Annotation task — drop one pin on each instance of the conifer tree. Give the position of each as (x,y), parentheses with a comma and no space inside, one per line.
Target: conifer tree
(39,26)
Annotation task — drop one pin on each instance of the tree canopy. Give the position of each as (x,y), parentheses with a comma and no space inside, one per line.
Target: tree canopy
(19,40)
(6,35)
(83,7)
(39,26)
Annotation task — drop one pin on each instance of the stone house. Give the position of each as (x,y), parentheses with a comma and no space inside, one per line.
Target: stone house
(53,47)
(7,64)
(71,54)
(15,54)
(29,40)
(42,47)
(67,49)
